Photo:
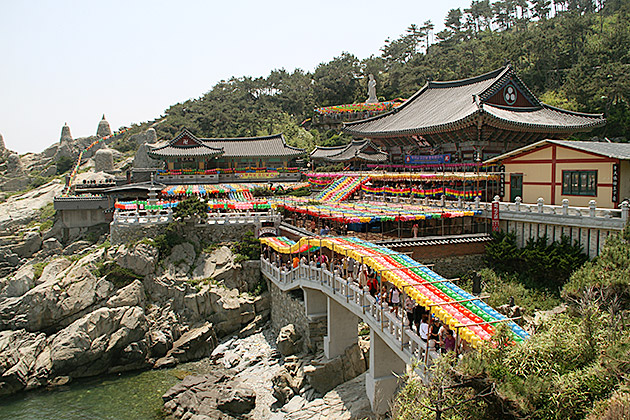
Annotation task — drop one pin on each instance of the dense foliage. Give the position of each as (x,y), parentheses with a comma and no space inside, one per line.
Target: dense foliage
(539,262)
(248,247)
(191,207)
(574,366)
(571,53)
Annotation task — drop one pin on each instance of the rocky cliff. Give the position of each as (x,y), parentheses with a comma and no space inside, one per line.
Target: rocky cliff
(111,309)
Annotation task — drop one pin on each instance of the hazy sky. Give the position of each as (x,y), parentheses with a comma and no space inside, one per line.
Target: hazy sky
(71,61)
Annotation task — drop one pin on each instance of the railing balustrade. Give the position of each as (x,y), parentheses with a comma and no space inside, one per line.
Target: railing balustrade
(356,299)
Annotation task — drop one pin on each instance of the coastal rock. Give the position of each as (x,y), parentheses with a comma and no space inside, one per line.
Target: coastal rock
(18,356)
(14,165)
(215,395)
(59,302)
(31,243)
(52,245)
(93,344)
(18,284)
(194,344)
(141,258)
(347,401)
(19,210)
(181,259)
(288,341)
(130,295)
(323,375)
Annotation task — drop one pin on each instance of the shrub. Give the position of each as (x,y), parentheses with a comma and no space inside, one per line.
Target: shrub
(537,263)
(117,275)
(190,207)
(64,164)
(248,247)
(165,242)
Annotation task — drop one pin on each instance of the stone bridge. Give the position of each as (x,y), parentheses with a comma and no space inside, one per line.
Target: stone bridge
(393,345)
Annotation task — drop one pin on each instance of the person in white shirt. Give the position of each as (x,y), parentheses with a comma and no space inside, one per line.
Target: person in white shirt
(424,328)
(395,299)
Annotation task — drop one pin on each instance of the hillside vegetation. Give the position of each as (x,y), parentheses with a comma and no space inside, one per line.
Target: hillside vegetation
(571,53)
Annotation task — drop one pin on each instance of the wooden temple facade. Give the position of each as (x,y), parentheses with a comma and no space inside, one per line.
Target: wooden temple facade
(471,119)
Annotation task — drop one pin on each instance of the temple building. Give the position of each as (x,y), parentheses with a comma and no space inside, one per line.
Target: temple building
(470,120)
(579,171)
(185,151)
(356,154)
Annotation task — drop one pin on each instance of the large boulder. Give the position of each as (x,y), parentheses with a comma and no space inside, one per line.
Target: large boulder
(19,351)
(130,295)
(216,395)
(323,375)
(289,340)
(193,345)
(95,343)
(140,258)
(55,304)
(30,244)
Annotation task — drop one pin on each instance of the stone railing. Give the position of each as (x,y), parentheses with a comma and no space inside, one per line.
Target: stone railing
(135,218)
(166,216)
(187,179)
(562,215)
(237,218)
(393,329)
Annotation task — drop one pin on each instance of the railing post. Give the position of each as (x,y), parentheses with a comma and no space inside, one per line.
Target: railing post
(592,206)
(624,210)
(540,203)
(517,202)
(565,206)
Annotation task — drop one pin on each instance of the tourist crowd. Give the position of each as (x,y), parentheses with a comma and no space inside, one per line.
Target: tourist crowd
(433,332)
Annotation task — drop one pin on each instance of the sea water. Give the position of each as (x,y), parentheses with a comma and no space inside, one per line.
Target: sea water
(128,396)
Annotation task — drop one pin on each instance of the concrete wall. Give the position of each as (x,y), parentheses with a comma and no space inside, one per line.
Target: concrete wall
(288,308)
(82,218)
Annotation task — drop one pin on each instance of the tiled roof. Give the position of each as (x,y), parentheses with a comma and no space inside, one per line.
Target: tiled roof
(447,106)
(273,145)
(172,151)
(544,118)
(611,150)
(196,148)
(322,152)
(353,150)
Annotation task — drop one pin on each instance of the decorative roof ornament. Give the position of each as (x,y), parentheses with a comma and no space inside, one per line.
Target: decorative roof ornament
(103,129)
(2,145)
(65,133)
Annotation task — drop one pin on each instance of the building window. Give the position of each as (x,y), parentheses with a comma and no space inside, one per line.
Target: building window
(579,183)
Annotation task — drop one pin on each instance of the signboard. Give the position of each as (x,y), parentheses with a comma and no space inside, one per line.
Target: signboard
(502,181)
(615,183)
(427,159)
(495,216)
(256,175)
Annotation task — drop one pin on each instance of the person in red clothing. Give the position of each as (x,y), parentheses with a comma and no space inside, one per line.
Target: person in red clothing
(296,261)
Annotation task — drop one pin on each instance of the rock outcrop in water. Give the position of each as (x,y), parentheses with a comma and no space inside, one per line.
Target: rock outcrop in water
(118,309)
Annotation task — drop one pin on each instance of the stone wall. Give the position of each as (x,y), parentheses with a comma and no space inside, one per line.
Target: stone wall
(288,308)
(455,266)
(192,231)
